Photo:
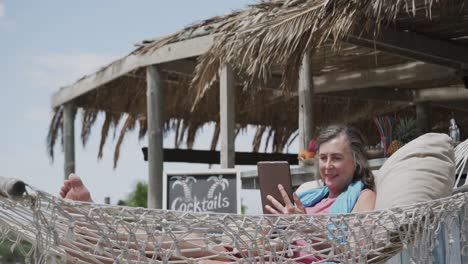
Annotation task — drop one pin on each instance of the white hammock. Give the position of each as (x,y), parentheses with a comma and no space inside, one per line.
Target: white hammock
(66,231)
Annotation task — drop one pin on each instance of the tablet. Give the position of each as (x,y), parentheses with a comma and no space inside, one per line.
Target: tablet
(270,174)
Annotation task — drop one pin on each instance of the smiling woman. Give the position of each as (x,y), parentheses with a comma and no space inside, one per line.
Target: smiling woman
(349,182)
(342,153)
(336,165)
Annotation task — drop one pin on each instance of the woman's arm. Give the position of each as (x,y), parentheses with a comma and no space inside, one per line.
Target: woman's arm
(365,202)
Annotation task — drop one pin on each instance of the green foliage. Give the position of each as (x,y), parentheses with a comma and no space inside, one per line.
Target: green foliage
(7,256)
(406,130)
(139,196)
(243,208)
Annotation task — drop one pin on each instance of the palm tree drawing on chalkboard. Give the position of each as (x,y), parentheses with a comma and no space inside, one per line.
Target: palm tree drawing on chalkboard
(218,181)
(184,181)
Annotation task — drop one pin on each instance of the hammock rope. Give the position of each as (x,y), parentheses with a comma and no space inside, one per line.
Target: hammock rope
(67,231)
(92,233)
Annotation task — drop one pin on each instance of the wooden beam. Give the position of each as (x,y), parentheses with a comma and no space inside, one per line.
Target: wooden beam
(213,157)
(242,158)
(374,84)
(460,105)
(394,76)
(69,113)
(398,42)
(379,77)
(457,92)
(305,97)
(227,97)
(382,77)
(155,136)
(439,94)
(380,83)
(375,94)
(184,66)
(170,52)
(415,46)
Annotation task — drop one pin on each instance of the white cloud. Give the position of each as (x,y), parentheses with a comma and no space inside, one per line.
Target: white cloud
(55,70)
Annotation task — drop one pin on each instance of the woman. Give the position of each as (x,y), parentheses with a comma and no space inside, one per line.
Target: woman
(344,169)
(348,181)
(342,163)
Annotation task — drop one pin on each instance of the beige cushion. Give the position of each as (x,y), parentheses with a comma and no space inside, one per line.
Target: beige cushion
(422,170)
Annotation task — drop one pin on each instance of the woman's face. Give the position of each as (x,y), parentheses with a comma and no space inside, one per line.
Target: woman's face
(336,164)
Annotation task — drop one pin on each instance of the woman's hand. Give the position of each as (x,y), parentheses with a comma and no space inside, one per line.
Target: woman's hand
(288,207)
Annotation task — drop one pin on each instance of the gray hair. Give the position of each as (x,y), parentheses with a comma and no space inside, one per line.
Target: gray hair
(357,144)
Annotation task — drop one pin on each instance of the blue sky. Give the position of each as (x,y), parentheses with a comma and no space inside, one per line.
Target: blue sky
(48,44)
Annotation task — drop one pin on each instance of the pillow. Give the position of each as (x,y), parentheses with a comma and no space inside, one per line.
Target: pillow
(420,171)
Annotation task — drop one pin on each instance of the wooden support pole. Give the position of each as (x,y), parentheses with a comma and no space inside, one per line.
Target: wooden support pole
(423,117)
(69,113)
(154,94)
(306,110)
(227,116)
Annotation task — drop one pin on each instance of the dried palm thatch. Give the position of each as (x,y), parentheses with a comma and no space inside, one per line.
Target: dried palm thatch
(280,32)
(273,113)
(267,41)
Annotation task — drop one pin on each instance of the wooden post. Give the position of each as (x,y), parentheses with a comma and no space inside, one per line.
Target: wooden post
(155,121)
(227,116)
(423,117)
(69,112)
(306,110)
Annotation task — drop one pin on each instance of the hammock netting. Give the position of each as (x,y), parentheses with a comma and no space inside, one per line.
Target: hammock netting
(60,231)
(91,233)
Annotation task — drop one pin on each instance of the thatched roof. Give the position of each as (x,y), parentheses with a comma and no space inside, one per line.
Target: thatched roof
(279,32)
(265,44)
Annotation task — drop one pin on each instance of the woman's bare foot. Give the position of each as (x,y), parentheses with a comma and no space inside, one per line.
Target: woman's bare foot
(74,189)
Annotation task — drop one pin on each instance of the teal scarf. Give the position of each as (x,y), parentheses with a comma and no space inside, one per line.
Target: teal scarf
(343,204)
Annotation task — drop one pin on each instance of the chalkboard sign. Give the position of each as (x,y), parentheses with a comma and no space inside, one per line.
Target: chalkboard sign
(202,191)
